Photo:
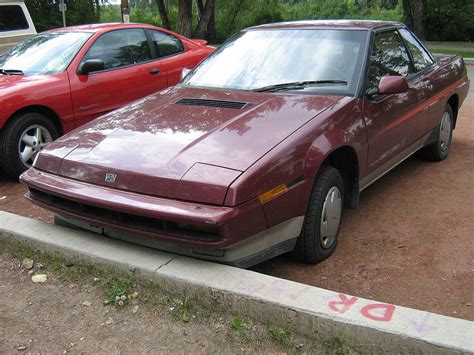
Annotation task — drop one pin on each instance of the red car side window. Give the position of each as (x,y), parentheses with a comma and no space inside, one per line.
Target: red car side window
(166,44)
(120,48)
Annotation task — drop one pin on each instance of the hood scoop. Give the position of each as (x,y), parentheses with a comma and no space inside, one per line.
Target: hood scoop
(214,103)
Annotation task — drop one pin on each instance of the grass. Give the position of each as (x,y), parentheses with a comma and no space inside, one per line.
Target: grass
(462,53)
(240,326)
(281,335)
(183,309)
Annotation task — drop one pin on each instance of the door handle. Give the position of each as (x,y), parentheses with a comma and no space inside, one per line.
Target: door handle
(154,71)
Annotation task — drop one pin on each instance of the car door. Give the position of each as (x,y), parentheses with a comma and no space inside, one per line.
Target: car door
(130,72)
(392,122)
(173,55)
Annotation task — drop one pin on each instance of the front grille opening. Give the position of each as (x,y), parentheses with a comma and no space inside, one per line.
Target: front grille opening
(140,223)
(213,103)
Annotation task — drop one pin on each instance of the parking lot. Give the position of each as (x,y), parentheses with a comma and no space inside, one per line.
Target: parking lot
(409,243)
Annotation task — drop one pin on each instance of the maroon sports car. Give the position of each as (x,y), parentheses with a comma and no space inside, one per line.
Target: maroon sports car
(258,150)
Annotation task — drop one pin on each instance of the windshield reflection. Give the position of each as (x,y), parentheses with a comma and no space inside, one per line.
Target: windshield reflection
(259,58)
(47,53)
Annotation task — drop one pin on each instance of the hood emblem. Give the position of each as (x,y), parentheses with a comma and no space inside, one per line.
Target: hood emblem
(109,177)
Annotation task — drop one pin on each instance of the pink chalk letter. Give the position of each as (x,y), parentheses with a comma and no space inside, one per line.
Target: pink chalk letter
(344,305)
(384,312)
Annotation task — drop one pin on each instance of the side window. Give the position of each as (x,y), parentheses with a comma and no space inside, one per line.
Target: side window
(120,48)
(12,18)
(166,44)
(421,58)
(389,57)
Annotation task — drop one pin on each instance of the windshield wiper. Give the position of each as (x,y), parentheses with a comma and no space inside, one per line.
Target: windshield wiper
(11,72)
(298,85)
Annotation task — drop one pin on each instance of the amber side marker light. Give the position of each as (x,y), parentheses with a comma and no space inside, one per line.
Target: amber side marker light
(267,196)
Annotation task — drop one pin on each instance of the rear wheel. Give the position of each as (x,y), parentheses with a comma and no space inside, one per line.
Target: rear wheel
(22,139)
(318,238)
(439,150)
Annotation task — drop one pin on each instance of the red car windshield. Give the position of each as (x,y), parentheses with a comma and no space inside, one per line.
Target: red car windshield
(46,53)
(323,60)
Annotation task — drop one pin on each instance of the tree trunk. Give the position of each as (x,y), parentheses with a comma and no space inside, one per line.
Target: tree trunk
(201,29)
(419,18)
(163,14)
(237,8)
(211,28)
(414,13)
(407,14)
(185,17)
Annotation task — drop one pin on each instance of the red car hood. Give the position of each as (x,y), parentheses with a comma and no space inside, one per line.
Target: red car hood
(13,82)
(152,144)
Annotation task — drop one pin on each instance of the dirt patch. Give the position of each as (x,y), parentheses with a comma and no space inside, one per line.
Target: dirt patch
(60,316)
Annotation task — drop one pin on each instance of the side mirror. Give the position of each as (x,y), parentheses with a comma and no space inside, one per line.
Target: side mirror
(184,72)
(90,66)
(392,85)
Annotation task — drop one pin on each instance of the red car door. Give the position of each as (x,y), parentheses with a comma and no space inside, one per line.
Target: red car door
(174,56)
(394,123)
(130,72)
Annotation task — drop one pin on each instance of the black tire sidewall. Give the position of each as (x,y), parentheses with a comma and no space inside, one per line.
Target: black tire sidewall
(441,155)
(335,179)
(11,134)
(308,248)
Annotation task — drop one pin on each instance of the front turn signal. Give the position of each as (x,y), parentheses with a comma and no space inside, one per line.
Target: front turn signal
(276,191)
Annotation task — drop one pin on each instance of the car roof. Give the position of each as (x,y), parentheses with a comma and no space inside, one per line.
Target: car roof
(337,24)
(102,27)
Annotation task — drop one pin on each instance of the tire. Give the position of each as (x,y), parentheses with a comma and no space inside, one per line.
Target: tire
(25,126)
(439,150)
(310,247)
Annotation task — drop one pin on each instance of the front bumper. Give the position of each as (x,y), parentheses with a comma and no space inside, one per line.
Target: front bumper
(186,223)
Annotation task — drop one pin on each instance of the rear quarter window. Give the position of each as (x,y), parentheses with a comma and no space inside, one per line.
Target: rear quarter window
(12,18)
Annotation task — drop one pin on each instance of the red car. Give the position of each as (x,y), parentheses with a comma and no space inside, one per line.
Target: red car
(63,78)
(258,150)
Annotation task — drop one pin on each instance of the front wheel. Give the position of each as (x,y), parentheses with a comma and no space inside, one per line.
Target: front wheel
(318,238)
(22,139)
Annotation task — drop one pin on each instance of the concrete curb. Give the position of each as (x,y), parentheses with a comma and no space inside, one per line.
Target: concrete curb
(311,311)
(469,60)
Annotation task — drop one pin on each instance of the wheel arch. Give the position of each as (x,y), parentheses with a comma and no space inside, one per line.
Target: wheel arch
(453,101)
(44,110)
(346,161)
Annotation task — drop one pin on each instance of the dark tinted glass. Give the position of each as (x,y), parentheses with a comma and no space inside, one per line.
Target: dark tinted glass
(12,18)
(389,57)
(166,44)
(120,48)
(421,58)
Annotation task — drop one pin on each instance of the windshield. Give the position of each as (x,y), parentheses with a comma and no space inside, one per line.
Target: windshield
(325,60)
(47,53)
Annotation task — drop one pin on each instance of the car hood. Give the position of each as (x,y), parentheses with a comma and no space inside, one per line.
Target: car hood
(12,82)
(181,135)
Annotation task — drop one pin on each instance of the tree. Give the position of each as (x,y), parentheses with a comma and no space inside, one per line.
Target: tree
(414,13)
(163,14)
(185,17)
(205,14)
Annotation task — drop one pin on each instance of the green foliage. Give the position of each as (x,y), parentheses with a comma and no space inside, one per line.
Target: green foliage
(240,326)
(183,309)
(450,20)
(46,14)
(280,335)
